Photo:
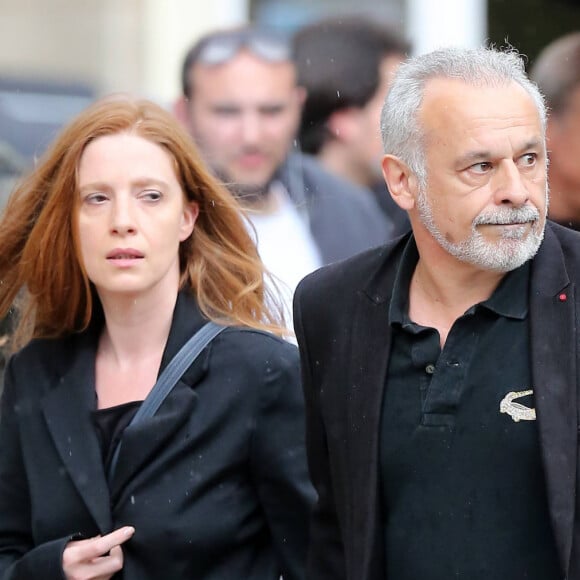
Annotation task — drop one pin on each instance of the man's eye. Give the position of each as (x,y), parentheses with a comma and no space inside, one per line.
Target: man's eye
(272,111)
(529,159)
(482,167)
(225,111)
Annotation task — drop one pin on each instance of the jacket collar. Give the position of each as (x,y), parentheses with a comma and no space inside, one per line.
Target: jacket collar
(291,176)
(368,362)
(187,320)
(67,409)
(554,371)
(142,442)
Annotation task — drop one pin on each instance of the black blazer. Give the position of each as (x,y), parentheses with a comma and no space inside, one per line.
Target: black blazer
(215,483)
(341,319)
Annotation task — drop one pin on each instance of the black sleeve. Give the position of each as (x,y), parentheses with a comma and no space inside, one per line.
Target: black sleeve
(20,559)
(279,460)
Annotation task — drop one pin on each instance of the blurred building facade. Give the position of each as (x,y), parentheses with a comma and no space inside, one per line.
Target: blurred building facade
(137,45)
(95,47)
(112,45)
(56,56)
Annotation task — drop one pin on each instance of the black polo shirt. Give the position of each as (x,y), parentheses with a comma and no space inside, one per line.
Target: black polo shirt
(463,485)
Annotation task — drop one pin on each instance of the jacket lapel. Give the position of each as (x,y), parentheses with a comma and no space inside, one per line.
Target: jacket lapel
(553,349)
(67,410)
(371,336)
(371,343)
(143,442)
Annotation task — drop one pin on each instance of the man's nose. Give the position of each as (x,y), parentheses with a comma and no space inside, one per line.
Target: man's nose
(510,187)
(251,129)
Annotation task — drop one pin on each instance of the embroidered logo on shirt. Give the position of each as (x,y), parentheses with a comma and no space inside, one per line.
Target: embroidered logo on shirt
(517,411)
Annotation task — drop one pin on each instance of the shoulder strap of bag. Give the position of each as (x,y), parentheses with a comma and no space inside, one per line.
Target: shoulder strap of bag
(168,379)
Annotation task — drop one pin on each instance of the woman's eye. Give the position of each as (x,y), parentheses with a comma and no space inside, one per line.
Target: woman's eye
(96,198)
(151,195)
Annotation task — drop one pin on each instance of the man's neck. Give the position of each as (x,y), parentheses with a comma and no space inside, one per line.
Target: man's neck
(266,203)
(443,289)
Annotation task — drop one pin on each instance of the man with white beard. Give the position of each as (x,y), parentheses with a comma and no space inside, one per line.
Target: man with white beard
(440,370)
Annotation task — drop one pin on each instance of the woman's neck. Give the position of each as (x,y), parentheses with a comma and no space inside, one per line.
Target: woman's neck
(136,327)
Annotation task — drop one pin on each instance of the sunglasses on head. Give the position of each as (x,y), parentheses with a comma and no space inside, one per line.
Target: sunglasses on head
(223,46)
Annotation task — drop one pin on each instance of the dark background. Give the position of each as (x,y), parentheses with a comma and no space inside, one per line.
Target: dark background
(529,25)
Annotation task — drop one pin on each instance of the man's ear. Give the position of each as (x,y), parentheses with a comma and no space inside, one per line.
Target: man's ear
(181,111)
(401,181)
(297,104)
(343,123)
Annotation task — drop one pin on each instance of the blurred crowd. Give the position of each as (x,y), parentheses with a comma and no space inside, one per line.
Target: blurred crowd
(292,127)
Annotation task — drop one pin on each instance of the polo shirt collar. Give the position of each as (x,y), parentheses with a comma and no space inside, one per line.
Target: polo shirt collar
(510,298)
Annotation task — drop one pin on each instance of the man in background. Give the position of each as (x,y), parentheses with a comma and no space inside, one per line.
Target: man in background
(346,65)
(242,106)
(557,73)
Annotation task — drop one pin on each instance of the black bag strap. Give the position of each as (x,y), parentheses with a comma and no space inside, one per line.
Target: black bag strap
(168,379)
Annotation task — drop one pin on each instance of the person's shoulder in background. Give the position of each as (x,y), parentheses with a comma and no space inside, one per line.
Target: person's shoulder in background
(12,166)
(344,218)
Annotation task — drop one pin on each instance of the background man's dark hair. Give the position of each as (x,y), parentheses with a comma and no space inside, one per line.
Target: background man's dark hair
(557,70)
(188,62)
(338,62)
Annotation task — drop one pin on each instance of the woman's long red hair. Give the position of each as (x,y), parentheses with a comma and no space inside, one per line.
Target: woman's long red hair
(40,261)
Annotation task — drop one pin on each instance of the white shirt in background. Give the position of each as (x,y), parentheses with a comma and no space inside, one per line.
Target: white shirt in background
(285,245)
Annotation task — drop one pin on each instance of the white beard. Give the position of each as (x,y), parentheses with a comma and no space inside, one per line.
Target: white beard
(514,248)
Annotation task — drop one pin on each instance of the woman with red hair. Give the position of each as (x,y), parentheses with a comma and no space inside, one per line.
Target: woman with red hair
(118,248)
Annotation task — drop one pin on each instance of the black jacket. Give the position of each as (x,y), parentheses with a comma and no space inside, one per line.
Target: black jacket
(342,326)
(215,483)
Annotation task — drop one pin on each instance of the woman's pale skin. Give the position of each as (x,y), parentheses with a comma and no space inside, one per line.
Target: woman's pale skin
(132,217)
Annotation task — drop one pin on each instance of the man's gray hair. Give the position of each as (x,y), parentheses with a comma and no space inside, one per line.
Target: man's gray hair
(481,67)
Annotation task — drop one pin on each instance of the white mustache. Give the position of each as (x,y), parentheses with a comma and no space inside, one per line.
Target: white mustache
(508,216)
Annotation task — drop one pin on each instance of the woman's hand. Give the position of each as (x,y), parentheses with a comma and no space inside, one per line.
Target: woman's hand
(95,559)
